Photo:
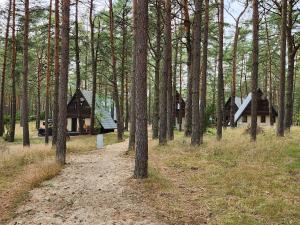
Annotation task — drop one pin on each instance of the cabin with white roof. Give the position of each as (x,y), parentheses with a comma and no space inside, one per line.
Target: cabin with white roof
(243,115)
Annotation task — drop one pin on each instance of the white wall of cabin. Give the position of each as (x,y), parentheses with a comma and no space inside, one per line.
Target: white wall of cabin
(240,122)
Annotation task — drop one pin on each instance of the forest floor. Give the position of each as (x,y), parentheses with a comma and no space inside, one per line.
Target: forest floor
(91,189)
(233,181)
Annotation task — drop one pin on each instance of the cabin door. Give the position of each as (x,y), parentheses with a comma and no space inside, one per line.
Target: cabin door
(74,124)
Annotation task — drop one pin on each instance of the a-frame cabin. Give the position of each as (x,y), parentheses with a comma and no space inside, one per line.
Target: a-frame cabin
(104,123)
(243,116)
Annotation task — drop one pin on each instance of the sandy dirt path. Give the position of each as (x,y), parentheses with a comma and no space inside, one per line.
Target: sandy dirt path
(91,190)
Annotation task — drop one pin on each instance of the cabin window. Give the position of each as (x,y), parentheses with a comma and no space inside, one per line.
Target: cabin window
(263,119)
(244,119)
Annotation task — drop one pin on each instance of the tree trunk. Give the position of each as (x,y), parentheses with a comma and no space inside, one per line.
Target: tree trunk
(281,102)
(204,72)
(77,59)
(292,50)
(94,69)
(120,124)
(174,88)
(48,76)
(163,98)
(270,74)
(141,157)
(61,146)
(4,70)
(56,75)
(255,54)
(123,59)
(188,108)
(168,69)
(132,130)
(180,114)
(155,124)
(234,65)
(39,80)
(25,111)
(195,141)
(13,78)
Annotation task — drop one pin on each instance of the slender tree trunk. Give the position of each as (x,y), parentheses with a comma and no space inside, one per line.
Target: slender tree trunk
(123,60)
(25,111)
(4,70)
(234,65)
(13,78)
(167,67)
(174,89)
(78,77)
(126,103)
(131,145)
(114,74)
(56,75)
(204,72)
(255,54)
(281,105)
(180,114)
(94,69)
(48,76)
(270,74)
(188,108)
(141,157)
(292,50)
(155,124)
(61,146)
(39,80)
(195,141)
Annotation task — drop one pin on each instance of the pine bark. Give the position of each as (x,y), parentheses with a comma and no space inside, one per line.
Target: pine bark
(4,69)
(120,123)
(163,98)
(12,128)
(94,69)
(61,146)
(188,108)
(25,110)
(39,80)
(292,51)
(155,123)
(141,157)
(204,72)
(132,130)
(281,102)
(220,98)
(77,59)
(195,140)
(255,54)
(48,76)
(56,74)
(168,69)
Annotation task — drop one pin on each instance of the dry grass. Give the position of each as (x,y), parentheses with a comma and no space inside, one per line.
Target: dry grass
(229,182)
(22,169)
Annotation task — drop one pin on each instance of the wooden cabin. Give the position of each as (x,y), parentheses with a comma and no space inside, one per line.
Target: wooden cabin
(238,102)
(180,104)
(104,122)
(243,116)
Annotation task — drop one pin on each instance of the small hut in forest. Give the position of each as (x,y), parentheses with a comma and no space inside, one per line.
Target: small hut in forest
(179,113)
(238,102)
(243,115)
(80,106)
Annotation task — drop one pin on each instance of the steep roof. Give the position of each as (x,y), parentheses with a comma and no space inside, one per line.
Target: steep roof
(238,101)
(242,107)
(101,114)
